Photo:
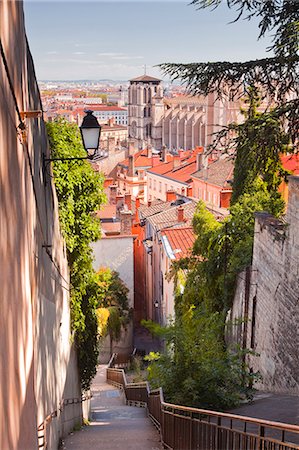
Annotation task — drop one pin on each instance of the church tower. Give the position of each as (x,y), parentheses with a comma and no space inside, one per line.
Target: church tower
(145,111)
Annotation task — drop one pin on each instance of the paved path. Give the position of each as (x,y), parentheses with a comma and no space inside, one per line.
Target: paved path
(114,425)
(275,407)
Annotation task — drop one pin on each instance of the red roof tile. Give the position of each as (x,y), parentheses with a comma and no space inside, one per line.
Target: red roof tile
(181,173)
(181,241)
(100,108)
(108,212)
(291,163)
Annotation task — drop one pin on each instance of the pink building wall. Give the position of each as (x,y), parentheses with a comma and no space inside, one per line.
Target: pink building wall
(212,194)
(37,363)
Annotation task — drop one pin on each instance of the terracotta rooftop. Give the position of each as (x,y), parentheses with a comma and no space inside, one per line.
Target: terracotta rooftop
(169,217)
(178,242)
(183,172)
(106,127)
(100,108)
(110,228)
(218,172)
(108,212)
(140,160)
(291,163)
(156,207)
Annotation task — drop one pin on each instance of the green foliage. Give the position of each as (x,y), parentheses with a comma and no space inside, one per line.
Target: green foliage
(276,76)
(117,303)
(259,141)
(197,370)
(80,194)
(224,249)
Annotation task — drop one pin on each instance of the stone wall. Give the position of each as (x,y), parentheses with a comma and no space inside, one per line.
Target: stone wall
(38,369)
(273,313)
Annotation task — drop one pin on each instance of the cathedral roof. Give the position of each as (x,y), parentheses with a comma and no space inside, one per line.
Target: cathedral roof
(145,79)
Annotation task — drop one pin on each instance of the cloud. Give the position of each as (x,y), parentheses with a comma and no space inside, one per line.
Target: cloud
(111,54)
(127,57)
(78,53)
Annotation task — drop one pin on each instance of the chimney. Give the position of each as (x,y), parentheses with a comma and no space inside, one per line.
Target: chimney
(131,166)
(180,212)
(199,161)
(111,121)
(137,205)
(181,153)
(111,143)
(164,154)
(126,221)
(112,194)
(149,151)
(119,203)
(170,196)
(108,182)
(128,200)
(225,197)
(189,191)
(155,160)
(176,161)
(131,147)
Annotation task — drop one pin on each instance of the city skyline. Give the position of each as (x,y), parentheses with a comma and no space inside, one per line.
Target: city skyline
(95,40)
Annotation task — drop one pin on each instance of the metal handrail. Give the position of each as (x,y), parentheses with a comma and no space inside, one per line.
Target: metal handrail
(42,428)
(183,427)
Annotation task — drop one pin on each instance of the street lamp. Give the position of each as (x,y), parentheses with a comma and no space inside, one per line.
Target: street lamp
(90,133)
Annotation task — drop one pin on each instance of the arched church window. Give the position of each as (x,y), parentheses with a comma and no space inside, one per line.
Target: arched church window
(144,96)
(133,129)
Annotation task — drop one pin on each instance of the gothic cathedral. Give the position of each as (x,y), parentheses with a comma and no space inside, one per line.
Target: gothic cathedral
(145,112)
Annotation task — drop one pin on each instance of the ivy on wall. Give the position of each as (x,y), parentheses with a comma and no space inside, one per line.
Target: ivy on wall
(80,194)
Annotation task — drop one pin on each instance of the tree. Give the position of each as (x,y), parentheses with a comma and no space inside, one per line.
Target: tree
(116,304)
(196,369)
(276,76)
(80,194)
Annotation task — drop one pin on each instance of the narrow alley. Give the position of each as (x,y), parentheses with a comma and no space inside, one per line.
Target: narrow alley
(113,424)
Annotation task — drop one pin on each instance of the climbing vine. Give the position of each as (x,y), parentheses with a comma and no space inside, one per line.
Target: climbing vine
(80,193)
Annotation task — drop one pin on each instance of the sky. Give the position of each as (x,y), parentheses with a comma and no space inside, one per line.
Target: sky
(94,40)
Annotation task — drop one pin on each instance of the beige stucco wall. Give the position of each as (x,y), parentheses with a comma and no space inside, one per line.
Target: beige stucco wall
(117,254)
(37,364)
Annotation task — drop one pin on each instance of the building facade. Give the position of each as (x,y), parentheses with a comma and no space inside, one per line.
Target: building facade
(38,362)
(145,111)
(181,122)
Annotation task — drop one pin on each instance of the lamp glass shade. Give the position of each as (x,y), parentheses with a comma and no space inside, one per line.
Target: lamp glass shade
(90,132)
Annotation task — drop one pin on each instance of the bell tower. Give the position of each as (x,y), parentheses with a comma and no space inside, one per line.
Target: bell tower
(145,111)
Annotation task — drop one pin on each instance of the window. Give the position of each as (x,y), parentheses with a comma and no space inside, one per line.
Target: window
(150,183)
(252,344)
(160,186)
(154,185)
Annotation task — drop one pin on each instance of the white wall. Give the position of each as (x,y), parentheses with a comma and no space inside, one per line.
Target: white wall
(167,184)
